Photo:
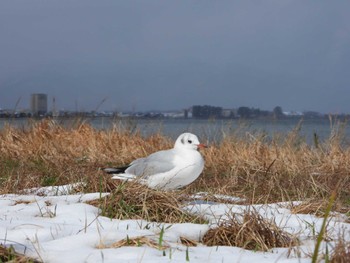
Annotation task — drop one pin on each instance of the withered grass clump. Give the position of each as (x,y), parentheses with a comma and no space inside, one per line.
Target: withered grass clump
(251,232)
(10,255)
(135,201)
(341,253)
(134,242)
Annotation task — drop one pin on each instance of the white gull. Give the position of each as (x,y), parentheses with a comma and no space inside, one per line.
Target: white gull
(168,169)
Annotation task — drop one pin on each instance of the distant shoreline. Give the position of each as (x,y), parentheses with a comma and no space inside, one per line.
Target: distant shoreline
(148,117)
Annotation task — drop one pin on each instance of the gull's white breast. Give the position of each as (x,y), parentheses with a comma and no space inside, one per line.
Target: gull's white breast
(188,165)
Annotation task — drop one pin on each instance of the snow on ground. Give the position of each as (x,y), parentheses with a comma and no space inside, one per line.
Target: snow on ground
(63,228)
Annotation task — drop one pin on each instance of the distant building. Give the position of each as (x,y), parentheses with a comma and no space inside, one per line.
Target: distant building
(206,112)
(38,104)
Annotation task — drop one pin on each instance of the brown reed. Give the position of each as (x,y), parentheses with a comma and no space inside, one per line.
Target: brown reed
(260,170)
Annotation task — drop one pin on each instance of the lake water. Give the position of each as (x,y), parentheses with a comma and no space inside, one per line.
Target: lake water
(211,130)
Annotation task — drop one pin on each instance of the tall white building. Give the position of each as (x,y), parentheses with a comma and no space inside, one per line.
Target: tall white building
(38,104)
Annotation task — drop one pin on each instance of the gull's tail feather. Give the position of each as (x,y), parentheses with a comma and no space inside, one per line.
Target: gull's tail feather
(124,177)
(119,173)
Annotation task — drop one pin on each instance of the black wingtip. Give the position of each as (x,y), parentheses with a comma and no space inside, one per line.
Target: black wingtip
(115,170)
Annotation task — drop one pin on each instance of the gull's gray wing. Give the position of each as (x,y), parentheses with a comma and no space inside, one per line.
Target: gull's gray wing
(158,162)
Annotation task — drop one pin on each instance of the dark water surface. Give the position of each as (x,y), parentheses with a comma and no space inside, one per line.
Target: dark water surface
(211,130)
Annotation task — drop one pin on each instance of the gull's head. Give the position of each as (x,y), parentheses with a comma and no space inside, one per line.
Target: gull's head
(188,141)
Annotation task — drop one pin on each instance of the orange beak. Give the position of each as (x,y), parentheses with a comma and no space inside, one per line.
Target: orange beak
(201,145)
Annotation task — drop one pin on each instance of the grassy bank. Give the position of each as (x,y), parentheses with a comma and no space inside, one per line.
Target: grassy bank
(251,166)
(260,170)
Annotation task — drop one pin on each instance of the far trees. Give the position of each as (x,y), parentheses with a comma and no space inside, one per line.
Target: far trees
(278,112)
(244,112)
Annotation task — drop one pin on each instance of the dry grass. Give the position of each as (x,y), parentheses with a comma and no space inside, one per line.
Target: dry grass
(188,242)
(134,242)
(341,253)
(135,201)
(252,166)
(318,207)
(250,232)
(266,172)
(49,154)
(9,255)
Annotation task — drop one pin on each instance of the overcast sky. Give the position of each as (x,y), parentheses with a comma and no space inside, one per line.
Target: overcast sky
(146,55)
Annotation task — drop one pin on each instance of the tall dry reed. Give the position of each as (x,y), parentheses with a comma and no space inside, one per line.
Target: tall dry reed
(261,170)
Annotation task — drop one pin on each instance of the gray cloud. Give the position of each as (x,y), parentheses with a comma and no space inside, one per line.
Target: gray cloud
(173,54)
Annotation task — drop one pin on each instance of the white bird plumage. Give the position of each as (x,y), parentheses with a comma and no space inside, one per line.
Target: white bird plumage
(167,169)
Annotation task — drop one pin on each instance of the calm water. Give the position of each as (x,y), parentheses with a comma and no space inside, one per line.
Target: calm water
(210,130)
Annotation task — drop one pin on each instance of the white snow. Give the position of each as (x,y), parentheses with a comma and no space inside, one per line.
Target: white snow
(63,228)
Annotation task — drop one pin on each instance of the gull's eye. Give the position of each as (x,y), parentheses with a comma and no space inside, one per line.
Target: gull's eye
(189,141)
